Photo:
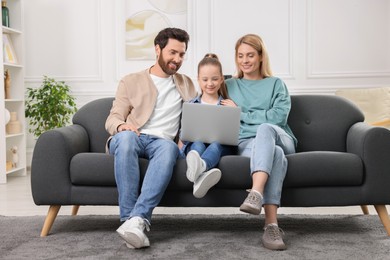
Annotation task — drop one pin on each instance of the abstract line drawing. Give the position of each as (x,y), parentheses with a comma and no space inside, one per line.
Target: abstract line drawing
(141,29)
(145,18)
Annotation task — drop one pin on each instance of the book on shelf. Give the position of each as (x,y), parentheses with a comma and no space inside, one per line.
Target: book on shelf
(8,50)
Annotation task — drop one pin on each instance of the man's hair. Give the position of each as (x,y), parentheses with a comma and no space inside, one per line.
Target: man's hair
(171,33)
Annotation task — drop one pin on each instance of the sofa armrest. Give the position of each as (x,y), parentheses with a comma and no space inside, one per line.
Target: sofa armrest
(50,175)
(372,144)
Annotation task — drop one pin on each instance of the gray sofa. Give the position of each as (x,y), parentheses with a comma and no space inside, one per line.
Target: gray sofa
(340,161)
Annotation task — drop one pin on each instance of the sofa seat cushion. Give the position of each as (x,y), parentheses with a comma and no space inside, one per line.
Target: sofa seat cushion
(322,168)
(97,169)
(306,169)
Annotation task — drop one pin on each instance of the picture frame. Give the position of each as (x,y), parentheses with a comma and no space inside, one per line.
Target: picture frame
(127,62)
(9,55)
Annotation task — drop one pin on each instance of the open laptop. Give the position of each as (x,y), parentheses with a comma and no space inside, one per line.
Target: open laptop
(210,123)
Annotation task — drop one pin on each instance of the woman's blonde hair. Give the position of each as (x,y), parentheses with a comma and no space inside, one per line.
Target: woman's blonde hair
(257,43)
(212,59)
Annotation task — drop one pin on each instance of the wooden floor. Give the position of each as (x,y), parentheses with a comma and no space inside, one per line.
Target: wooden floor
(16,200)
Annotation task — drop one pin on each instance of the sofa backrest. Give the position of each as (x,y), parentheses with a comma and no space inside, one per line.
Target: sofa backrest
(321,122)
(92,116)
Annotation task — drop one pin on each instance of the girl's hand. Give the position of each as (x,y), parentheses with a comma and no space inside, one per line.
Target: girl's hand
(180,144)
(228,103)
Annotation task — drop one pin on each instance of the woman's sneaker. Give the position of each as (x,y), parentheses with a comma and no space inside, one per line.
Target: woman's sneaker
(132,231)
(253,203)
(273,237)
(205,181)
(195,165)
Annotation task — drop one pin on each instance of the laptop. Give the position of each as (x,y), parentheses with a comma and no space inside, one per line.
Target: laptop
(210,123)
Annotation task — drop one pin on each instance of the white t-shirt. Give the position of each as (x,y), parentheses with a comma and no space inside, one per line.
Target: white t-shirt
(165,119)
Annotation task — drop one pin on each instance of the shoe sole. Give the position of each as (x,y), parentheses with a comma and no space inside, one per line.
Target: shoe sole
(192,159)
(129,246)
(134,240)
(274,247)
(248,209)
(205,183)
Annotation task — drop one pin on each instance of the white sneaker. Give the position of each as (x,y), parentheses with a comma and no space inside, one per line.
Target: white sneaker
(205,181)
(132,231)
(195,165)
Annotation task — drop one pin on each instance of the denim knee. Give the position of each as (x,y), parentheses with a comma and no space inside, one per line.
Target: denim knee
(123,142)
(265,129)
(216,145)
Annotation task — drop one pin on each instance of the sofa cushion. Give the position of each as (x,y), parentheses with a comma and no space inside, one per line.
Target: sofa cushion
(374,102)
(321,123)
(306,169)
(310,169)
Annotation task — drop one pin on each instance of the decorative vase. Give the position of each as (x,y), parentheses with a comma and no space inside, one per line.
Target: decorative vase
(7,116)
(5,13)
(14,126)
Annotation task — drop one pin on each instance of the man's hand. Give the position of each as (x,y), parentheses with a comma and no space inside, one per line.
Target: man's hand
(127,127)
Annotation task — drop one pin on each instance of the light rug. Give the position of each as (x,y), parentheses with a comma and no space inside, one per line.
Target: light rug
(196,237)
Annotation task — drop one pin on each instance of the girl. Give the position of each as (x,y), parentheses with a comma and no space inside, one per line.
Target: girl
(201,158)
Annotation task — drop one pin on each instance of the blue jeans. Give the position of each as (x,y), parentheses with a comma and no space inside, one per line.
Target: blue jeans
(267,152)
(210,153)
(162,154)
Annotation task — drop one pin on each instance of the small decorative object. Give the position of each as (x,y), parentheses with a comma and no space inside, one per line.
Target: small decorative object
(14,126)
(8,166)
(7,84)
(7,116)
(49,106)
(5,13)
(15,156)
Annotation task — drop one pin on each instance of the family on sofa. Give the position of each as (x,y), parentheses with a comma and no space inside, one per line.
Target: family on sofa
(144,121)
(338,161)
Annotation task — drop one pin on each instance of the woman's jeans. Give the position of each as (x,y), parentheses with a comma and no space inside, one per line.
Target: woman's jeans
(267,152)
(162,154)
(210,153)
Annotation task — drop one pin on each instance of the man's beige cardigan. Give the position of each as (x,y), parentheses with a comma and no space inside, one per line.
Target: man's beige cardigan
(136,98)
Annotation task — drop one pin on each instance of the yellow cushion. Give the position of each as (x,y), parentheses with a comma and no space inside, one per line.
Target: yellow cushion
(374,102)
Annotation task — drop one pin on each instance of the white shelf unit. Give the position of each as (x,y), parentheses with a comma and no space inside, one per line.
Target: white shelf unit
(15,103)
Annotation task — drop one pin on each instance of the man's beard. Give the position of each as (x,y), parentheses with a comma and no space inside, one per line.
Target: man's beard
(165,67)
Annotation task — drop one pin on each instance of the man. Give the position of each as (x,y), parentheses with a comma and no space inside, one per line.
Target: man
(143,122)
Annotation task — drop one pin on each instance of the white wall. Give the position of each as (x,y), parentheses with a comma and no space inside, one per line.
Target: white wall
(316,46)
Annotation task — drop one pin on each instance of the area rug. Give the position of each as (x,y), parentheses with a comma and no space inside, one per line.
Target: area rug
(196,237)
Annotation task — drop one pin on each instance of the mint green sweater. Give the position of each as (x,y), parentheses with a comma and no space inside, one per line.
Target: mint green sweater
(261,101)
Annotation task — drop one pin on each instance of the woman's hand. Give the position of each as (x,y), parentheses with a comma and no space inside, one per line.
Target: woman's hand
(228,103)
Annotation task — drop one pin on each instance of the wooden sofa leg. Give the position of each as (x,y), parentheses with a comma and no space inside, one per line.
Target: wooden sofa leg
(75,209)
(384,216)
(51,216)
(365,209)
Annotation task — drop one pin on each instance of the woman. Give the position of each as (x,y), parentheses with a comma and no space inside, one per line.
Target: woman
(265,136)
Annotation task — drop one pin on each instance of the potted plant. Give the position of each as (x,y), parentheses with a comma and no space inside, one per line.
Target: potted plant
(49,106)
